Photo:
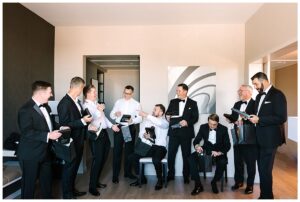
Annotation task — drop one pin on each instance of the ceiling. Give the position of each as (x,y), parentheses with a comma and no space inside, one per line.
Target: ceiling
(107,14)
(115,62)
(284,57)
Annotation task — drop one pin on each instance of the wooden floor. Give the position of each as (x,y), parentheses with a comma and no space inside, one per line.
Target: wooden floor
(284,185)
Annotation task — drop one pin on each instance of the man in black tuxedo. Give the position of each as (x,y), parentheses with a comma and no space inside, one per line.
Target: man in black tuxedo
(269,117)
(246,151)
(70,113)
(37,130)
(216,144)
(183,114)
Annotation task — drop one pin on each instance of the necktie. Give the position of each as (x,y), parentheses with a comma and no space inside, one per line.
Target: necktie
(42,105)
(244,102)
(211,129)
(182,101)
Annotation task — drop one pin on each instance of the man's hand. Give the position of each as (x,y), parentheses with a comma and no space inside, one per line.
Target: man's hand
(254,119)
(115,128)
(54,135)
(87,118)
(183,123)
(130,121)
(101,107)
(142,113)
(118,114)
(198,149)
(146,136)
(92,128)
(215,153)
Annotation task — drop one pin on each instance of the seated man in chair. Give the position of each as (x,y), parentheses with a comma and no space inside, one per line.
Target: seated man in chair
(158,149)
(216,144)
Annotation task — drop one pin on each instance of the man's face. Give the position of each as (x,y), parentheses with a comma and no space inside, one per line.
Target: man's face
(181,93)
(243,93)
(212,124)
(92,95)
(258,85)
(127,94)
(157,112)
(46,94)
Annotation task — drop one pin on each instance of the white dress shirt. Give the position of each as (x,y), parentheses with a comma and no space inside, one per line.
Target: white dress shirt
(212,136)
(243,108)
(161,129)
(262,98)
(130,107)
(99,118)
(181,107)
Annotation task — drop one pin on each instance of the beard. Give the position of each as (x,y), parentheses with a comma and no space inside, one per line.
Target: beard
(261,89)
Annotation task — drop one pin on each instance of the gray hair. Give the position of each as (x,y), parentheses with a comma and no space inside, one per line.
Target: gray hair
(248,87)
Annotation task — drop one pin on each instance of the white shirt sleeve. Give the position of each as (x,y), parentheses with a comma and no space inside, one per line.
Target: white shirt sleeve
(160,122)
(137,119)
(114,110)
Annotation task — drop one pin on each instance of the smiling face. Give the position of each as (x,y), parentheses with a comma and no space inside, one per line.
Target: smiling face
(127,94)
(181,93)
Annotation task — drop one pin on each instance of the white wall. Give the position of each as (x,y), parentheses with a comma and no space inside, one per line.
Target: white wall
(219,46)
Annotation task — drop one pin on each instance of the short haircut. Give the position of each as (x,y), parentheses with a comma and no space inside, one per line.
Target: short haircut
(129,87)
(40,85)
(248,87)
(213,117)
(162,107)
(76,81)
(87,89)
(184,86)
(259,76)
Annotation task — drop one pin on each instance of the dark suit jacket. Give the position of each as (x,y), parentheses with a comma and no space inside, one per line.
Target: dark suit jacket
(272,115)
(190,114)
(250,109)
(34,129)
(222,139)
(69,115)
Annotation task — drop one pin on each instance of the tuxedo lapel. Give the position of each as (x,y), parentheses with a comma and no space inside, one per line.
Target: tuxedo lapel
(187,105)
(74,105)
(38,110)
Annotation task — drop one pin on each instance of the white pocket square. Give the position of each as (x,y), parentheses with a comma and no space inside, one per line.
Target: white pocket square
(267,102)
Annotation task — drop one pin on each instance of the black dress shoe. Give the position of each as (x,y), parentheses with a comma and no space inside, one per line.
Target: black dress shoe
(134,184)
(94,192)
(249,190)
(237,186)
(197,190)
(99,185)
(214,187)
(130,176)
(169,178)
(78,193)
(186,180)
(115,180)
(158,185)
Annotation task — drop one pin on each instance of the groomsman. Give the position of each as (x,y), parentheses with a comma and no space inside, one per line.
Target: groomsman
(183,114)
(124,106)
(37,130)
(269,117)
(70,114)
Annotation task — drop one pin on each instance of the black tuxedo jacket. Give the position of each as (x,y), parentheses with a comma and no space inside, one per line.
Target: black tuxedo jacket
(190,114)
(250,109)
(69,115)
(34,130)
(272,115)
(222,139)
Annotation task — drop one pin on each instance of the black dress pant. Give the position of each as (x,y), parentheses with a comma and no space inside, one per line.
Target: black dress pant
(247,154)
(156,152)
(31,171)
(118,148)
(174,142)
(70,169)
(100,150)
(265,164)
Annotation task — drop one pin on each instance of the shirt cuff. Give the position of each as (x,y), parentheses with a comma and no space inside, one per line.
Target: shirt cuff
(48,137)
(83,122)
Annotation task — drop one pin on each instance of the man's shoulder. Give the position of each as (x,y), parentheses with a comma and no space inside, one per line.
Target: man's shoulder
(28,105)
(222,127)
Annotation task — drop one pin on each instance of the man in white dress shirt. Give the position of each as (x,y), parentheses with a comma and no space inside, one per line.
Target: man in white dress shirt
(100,146)
(124,106)
(158,149)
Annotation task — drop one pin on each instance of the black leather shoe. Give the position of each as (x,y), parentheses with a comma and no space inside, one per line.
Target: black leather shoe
(158,185)
(134,184)
(169,178)
(249,190)
(214,187)
(197,190)
(94,192)
(130,176)
(115,180)
(237,186)
(77,193)
(186,180)
(99,185)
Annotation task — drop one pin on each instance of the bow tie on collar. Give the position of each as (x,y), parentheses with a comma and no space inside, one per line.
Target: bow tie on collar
(244,102)
(42,105)
(182,101)
(212,130)
(263,93)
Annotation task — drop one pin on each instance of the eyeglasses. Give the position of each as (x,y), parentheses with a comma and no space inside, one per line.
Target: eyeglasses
(127,93)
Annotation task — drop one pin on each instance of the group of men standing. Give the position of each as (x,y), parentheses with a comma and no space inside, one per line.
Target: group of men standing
(38,128)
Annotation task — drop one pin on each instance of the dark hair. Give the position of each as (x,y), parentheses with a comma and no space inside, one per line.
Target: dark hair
(259,76)
(87,89)
(75,81)
(40,85)
(213,117)
(184,86)
(129,87)
(163,109)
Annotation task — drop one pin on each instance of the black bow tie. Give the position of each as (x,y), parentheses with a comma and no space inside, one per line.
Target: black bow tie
(182,101)
(212,130)
(244,102)
(263,93)
(42,105)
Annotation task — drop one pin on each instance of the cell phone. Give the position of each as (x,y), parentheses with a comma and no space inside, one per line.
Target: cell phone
(87,112)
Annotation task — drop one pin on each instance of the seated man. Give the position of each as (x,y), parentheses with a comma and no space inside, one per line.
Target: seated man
(158,149)
(216,144)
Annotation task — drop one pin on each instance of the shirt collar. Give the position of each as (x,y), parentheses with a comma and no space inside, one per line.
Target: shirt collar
(267,90)
(36,102)
(76,99)
(90,101)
